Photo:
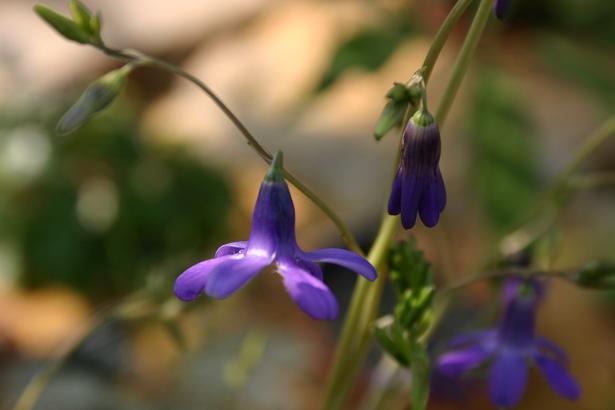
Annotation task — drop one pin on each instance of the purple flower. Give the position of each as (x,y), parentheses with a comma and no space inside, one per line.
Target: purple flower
(418,186)
(500,7)
(510,349)
(272,246)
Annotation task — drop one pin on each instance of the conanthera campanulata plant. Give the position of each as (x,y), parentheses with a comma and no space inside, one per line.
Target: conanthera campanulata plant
(417,194)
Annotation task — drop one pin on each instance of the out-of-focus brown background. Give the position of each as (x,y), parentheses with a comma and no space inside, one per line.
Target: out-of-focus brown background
(110,215)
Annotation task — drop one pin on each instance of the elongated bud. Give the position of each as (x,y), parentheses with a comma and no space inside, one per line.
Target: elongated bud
(63,25)
(81,14)
(275,170)
(94,99)
(399,97)
(597,275)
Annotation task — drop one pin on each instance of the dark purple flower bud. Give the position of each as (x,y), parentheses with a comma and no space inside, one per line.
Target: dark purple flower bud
(511,348)
(272,243)
(418,186)
(500,7)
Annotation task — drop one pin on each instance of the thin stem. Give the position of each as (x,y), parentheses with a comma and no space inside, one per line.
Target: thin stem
(512,272)
(355,337)
(139,58)
(463,60)
(442,36)
(35,388)
(531,227)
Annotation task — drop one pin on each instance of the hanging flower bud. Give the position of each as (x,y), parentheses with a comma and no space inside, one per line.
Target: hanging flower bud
(418,187)
(94,99)
(500,7)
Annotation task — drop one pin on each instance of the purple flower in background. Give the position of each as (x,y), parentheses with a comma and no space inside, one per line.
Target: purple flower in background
(418,186)
(272,244)
(500,7)
(510,349)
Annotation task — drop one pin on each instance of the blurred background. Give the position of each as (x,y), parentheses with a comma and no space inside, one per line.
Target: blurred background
(95,226)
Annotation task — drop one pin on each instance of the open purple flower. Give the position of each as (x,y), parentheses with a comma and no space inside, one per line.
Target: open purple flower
(510,349)
(500,7)
(418,186)
(272,245)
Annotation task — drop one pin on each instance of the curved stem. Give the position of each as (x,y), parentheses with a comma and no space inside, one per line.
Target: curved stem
(463,60)
(366,298)
(139,58)
(442,36)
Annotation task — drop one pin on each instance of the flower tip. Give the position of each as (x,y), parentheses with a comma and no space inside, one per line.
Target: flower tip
(275,170)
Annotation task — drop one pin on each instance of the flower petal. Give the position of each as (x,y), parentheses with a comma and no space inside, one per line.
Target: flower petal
(310,293)
(412,189)
(231,248)
(558,377)
(190,284)
(429,208)
(235,272)
(470,337)
(347,259)
(455,363)
(554,350)
(394,206)
(508,379)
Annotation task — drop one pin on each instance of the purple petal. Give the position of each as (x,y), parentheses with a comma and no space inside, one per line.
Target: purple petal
(347,259)
(310,293)
(554,350)
(395,198)
(470,337)
(231,248)
(190,284)
(235,272)
(453,364)
(508,379)
(429,208)
(558,377)
(500,7)
(412,188)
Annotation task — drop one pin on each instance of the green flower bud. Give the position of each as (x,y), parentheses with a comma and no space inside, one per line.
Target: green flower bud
(597,275)
(94,99)
(63,25)
(81,14)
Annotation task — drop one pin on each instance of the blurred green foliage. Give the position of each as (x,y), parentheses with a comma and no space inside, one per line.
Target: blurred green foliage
(367,49)
(107,209)
(504,160)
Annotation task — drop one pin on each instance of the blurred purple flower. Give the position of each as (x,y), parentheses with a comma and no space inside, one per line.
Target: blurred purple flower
(511,348)
(418,186)
(500,7)
(272,244)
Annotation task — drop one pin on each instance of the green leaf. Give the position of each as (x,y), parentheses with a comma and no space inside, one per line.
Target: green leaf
(63,25)
(419,370)
(391,116)
(94,99)
(409,268)
(390,345)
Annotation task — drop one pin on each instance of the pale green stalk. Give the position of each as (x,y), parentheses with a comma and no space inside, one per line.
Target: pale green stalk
(355,337)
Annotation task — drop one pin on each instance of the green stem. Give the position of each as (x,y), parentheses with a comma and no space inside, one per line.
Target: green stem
(139,58)
(355,337)
(463,60)
(442,36)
